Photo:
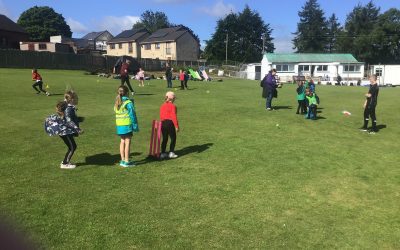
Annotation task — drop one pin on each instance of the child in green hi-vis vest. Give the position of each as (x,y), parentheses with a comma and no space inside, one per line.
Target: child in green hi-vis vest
(126,122)
(312,104)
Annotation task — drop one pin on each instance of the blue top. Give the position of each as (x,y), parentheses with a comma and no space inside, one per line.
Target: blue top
(121,130)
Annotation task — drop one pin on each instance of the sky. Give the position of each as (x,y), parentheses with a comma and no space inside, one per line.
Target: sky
(200,15)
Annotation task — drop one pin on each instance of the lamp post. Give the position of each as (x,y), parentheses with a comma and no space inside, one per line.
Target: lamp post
(226,49)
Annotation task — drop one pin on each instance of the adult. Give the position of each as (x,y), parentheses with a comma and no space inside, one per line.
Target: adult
(370,105)
(168,75)
(339,80)
(269,88)
(124,72)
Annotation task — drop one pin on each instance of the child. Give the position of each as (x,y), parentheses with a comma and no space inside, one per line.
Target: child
(71,98)
(38,82)
(182,79)
(186,78)
(58,124)
(370,105)
(169,125)
(126,123)
(141,77)
(312,104)
(301,96)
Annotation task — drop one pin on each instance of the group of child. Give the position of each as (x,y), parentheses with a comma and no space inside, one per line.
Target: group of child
(65,124)
(307,99)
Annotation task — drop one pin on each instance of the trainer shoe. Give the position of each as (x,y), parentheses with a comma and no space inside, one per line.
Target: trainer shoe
(122,163)
(371,132)
(48,94)
(172,155)
(269,109)
(163,156)
(133,93)
(67,166)
(363,129)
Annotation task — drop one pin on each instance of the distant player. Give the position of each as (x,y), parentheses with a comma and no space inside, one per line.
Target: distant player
(124,72)
(370,105)
(38,82)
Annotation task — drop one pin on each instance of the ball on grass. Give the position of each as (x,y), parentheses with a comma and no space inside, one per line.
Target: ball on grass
(208,92)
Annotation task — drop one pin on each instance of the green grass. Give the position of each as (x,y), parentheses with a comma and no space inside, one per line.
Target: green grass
(241,182)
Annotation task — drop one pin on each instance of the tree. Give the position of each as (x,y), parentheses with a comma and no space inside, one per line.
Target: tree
(43,22)
(311,34)
(244,32)
(153,21)
(386,37)
(357,37)
(333,31)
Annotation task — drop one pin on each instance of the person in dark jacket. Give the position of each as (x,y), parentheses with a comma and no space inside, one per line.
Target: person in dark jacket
(124,72)
(269,88)
(168,75)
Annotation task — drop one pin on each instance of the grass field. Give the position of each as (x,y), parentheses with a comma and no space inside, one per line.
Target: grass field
(240,181)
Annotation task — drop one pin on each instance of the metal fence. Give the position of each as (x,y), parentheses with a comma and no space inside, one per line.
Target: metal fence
(88,62)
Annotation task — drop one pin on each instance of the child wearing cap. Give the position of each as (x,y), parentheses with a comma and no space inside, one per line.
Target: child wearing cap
(169,125)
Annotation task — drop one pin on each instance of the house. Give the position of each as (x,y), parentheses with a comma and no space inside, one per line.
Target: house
(11,34)
(78,45)
(325,67)
(98,40)
(175,43)
(46,46)
(127,43)
(387,74)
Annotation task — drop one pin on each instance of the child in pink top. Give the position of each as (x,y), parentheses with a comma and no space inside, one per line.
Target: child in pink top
(182,79)
(141,77)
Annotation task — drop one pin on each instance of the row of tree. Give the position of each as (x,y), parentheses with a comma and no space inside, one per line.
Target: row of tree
(240,37)
(369,35)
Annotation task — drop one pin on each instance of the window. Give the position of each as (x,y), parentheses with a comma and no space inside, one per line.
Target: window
(147,46)
(304,68)
(168,48)
(42,46)
(112,46)
(130,47)
(157,46)
(120,46)
(285,68)
(352,68)
(378,72)
(322,68)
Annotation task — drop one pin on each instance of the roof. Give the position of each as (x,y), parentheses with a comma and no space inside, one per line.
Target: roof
(80,43)
(165,35)
(94,35)
(7,24)
(129,35)
(309,58)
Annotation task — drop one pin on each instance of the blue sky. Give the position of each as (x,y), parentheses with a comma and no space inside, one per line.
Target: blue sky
(200,15)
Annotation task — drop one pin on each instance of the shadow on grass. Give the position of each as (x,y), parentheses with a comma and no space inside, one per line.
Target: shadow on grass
(56,94)
(194,149)
(282,107)
(381,126)
(144,94)
(103,159)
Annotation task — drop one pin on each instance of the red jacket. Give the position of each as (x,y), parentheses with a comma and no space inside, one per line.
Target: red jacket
(124,69)
(168,112)
(36,77)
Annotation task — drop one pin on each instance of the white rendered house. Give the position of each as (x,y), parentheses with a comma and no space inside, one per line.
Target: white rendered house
(324,67)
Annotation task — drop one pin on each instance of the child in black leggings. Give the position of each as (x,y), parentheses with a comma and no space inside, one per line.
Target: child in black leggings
(169,127)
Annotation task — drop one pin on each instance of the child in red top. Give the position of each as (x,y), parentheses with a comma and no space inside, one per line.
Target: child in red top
(38,82)
(169,125)
(182,79)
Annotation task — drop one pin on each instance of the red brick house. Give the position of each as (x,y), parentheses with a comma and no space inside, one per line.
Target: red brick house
(11,34)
